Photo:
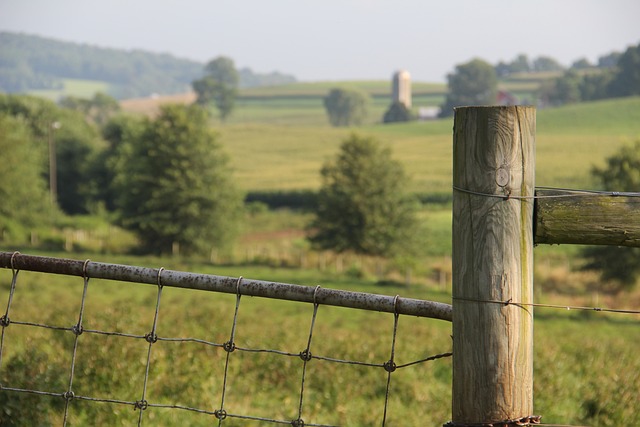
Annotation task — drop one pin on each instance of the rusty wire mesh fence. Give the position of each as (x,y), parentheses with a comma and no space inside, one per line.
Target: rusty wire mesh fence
(148,411)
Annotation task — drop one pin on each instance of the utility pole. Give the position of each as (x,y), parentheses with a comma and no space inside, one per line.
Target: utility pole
(53,170)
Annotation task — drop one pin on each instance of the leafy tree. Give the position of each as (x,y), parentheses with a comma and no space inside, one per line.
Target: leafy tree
(219,86)
(346,107)
(562,90)
(581,64)
(76,142)
(174,184)
(609,61)
(97,109)
(24,198)
(38,113)
(362,205)
(248,78)
(627,79)
(472,83)
(519,65)
(117,132)
(595,86)
(397,112)
(546,63)
(619,264)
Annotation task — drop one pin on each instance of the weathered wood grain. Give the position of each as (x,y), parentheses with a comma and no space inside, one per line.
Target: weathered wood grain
(586,219)
(493,153)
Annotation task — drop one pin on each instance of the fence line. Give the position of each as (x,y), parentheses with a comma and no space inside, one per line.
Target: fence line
(161,277)
(565,193)
(556,306)
(223,284)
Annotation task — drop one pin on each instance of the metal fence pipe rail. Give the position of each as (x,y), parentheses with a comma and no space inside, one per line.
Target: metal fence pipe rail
(224,284)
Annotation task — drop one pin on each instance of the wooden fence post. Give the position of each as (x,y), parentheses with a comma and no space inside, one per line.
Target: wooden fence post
(493,155)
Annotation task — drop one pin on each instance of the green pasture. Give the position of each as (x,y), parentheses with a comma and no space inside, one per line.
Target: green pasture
(73,87)
(302,104)
(375,88)
(570,140)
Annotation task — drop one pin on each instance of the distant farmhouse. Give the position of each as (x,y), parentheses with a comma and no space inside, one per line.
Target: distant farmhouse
(506,98)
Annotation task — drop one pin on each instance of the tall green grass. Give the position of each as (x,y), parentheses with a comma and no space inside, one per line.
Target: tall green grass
(586,369)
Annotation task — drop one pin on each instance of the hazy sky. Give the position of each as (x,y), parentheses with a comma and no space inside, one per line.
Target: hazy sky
(339,39)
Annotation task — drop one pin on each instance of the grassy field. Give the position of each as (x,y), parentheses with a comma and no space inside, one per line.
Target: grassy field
(586,365)
(73,87)
(586,369)
(277,156)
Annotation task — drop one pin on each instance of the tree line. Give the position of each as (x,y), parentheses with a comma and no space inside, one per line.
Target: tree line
(476,83)
(31,62)
(616,75)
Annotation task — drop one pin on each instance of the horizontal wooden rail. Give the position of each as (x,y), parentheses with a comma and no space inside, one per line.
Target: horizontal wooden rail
(587,218)
(230,285)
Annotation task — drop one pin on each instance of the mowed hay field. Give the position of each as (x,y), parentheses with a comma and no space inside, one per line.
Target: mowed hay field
(279,141)
(569,142)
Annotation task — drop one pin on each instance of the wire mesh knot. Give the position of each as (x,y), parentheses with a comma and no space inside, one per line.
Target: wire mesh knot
(4,321)
(305,355)
(220,414)
(229,346)
(151,338)
(140,404)
(298,423)
(68,395)
(77,329)
(390,366)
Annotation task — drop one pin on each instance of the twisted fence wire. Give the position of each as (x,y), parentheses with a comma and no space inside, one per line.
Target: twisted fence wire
(229,346)
(151,338)
(567,193)
(553,306)
(305,355)
(390,365)
(77,330)
(4,320)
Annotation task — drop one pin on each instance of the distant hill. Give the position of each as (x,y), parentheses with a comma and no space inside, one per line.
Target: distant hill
(33,63)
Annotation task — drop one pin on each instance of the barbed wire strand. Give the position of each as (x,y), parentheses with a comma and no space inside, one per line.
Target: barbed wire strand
(573,193)
(151,338)
(554,306)
(5,320)
(77,330)
(390,366)
(229,347)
